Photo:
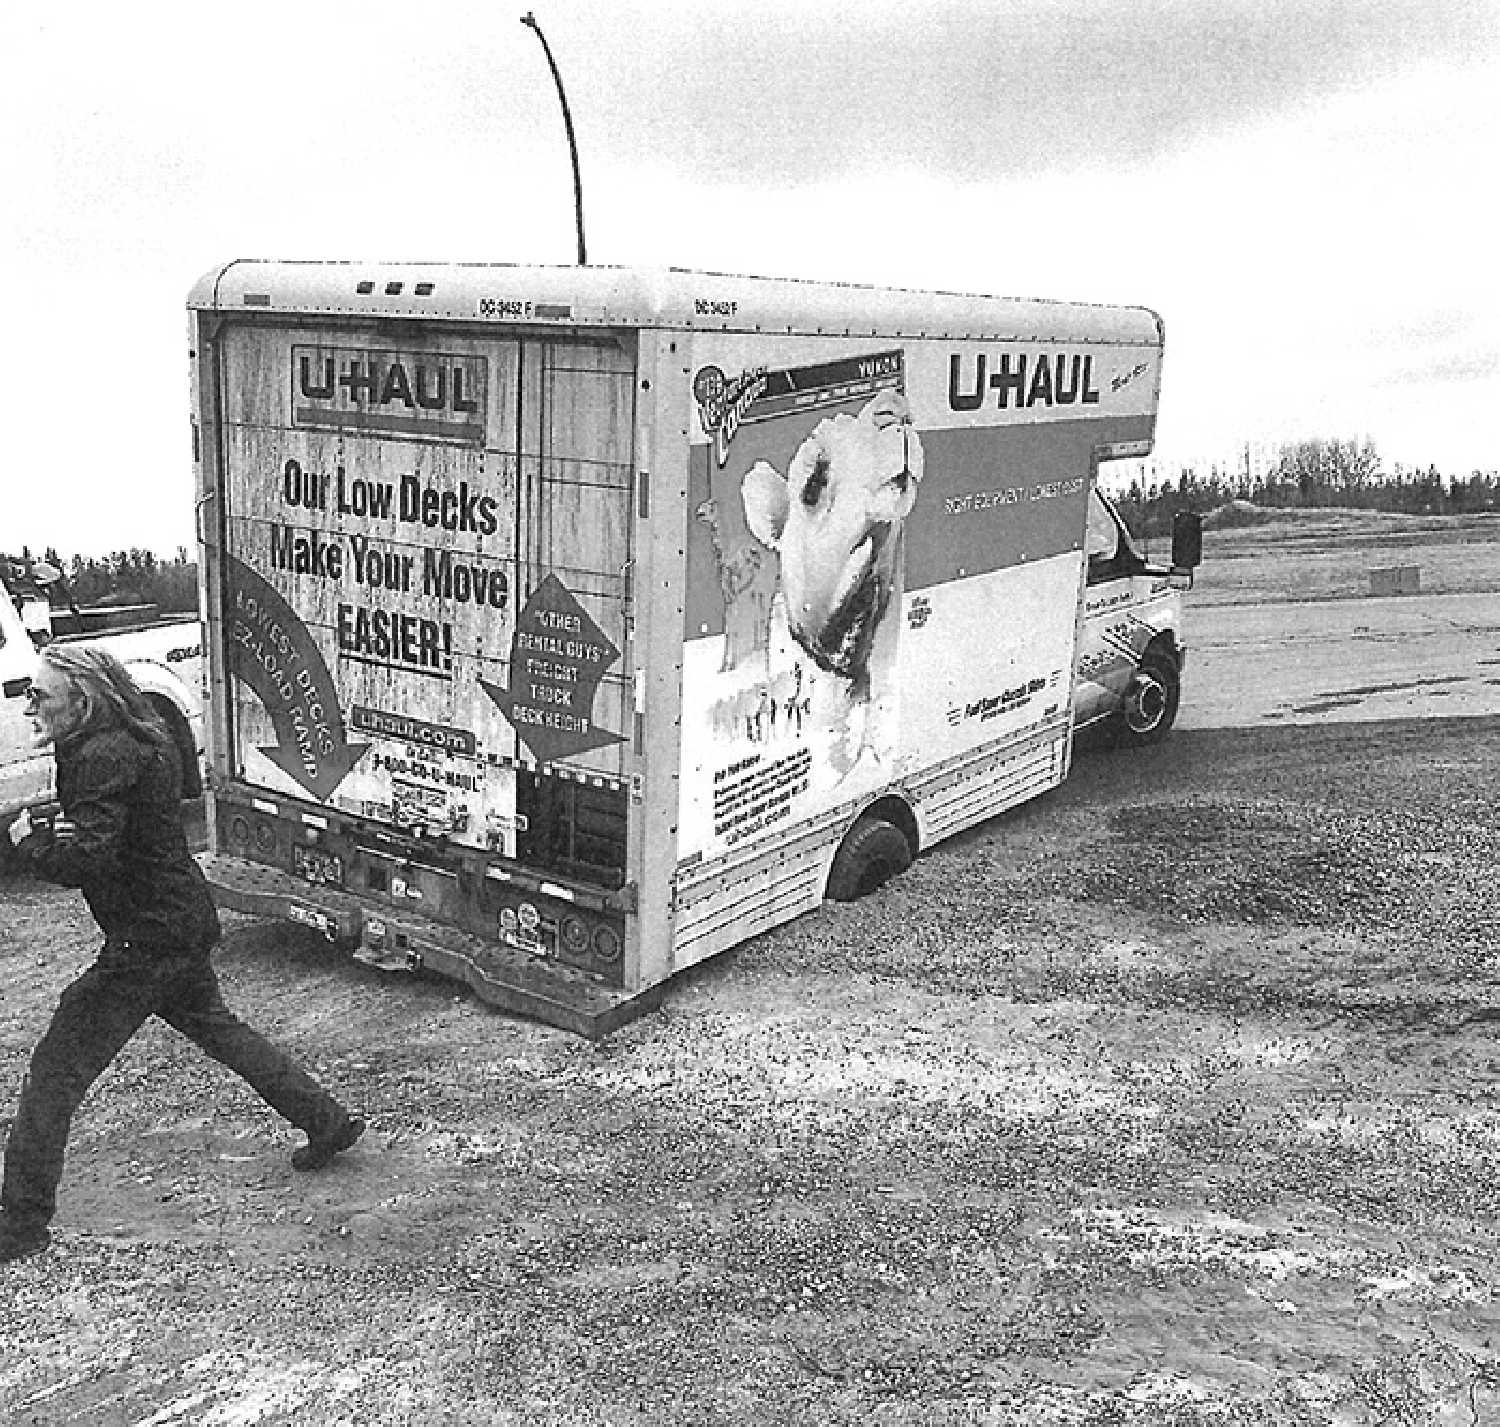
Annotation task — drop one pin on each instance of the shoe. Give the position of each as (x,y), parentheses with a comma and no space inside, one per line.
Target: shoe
(320,1149)
(19,1243)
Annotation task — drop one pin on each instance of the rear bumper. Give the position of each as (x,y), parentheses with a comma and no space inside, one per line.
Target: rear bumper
(502,976)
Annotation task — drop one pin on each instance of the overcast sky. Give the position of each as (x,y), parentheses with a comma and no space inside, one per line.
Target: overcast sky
(1304,189)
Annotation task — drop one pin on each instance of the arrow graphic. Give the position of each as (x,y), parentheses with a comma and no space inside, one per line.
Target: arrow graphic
(272,651)
(558,655)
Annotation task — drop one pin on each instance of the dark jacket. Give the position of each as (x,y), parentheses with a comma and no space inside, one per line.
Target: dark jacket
(130,854)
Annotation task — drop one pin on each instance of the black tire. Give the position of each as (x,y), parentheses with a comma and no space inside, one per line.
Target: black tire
(11,864)
(182,736)
(1150,707)
(872,852)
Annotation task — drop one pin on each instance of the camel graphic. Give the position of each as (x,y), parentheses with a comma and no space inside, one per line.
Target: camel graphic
(835,520)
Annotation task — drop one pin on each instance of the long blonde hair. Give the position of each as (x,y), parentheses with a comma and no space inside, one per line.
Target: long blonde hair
(110,697)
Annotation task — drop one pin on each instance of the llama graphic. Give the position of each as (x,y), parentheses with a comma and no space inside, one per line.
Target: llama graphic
(747,600)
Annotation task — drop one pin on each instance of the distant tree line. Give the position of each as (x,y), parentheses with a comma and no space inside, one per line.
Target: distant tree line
(1314,474)
(1309,475)
(126,577)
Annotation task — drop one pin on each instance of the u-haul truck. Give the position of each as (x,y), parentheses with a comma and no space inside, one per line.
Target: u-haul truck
(571,625)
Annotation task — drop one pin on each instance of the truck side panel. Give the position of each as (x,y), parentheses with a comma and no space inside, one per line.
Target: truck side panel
(906,624)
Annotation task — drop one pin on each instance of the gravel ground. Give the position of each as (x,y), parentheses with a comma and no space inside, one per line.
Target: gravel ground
(1172,1098)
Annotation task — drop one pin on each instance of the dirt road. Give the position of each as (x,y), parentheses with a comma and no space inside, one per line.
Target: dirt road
(1173,1098)
(1170,1100)
(1360,660)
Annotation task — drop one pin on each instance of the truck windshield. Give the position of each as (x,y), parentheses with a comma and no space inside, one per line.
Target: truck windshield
(1111,552)
(1104,531)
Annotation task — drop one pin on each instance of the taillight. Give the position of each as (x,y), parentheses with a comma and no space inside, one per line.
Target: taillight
(607,944)
(583,938)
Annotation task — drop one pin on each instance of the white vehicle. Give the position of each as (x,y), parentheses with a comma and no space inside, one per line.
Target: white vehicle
(163,655)
(570,625)
(1131,651)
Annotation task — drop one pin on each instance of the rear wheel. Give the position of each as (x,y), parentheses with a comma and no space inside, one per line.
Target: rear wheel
(182,736)
(10,860)
(1151,701)
(872,852)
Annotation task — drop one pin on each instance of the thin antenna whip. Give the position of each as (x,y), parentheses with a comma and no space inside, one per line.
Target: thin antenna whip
(529,20)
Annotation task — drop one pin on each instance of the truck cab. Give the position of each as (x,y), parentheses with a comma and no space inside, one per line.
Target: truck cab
(1131,650)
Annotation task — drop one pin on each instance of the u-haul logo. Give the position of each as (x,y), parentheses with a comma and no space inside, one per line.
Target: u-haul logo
(434,395)
(1022,379)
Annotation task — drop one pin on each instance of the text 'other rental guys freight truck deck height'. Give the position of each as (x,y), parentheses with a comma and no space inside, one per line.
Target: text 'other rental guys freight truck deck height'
(570,625)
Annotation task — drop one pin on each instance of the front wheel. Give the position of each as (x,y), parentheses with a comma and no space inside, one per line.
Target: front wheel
(871,854)
(1150,706)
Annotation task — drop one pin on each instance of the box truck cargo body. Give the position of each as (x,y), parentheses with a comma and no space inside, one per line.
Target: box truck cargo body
(570,625)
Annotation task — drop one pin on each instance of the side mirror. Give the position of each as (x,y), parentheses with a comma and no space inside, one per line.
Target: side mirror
(1187,540)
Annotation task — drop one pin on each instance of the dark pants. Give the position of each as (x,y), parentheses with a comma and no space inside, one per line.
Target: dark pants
(96,1015)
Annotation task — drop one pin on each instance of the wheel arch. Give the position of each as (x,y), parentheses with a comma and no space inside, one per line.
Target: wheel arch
(1164,642)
